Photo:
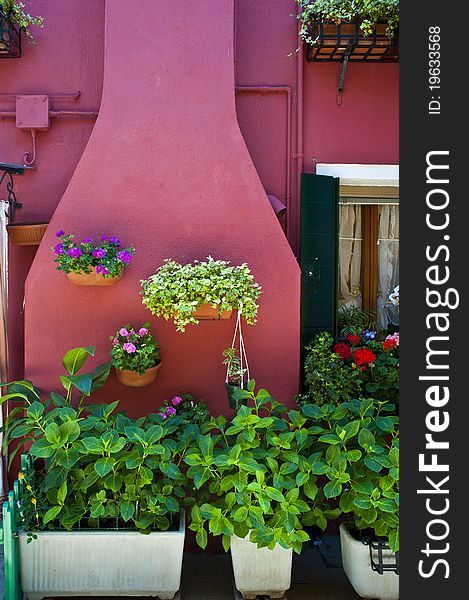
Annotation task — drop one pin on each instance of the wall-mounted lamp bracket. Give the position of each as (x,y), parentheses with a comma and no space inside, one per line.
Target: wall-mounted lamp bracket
(7,171)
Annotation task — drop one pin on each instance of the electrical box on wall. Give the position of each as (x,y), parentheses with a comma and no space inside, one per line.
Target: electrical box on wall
(32,112)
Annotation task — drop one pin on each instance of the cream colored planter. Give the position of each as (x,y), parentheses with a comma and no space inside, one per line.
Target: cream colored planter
(260,571)
(357,566)
(102,563)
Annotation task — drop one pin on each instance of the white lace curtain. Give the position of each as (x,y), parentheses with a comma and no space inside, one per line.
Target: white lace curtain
(388,264)
(350,259)
(350,255)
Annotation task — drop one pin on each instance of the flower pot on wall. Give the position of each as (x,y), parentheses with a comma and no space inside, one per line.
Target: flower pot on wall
(260,571)
(365,581)
(333,40)
(206,312)
(134,379)
(102,563)
(26,234)
(93,278)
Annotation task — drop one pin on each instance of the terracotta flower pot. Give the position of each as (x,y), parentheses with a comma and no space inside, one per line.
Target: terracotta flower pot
(26,234)
(92,278)
(206,312)
(133,379)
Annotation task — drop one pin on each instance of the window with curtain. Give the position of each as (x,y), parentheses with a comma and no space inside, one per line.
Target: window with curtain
(369,256)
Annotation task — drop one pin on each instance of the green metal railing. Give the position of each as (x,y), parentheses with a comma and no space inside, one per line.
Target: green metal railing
(9,537)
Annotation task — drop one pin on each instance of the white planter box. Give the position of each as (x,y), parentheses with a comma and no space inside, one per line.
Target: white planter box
(357,566)
(260,571)
(102,563)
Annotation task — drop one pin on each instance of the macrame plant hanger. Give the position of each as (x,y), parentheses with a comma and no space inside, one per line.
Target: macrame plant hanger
(242,350)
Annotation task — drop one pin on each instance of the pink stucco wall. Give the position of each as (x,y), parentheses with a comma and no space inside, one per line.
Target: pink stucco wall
(68,57)
(168,170)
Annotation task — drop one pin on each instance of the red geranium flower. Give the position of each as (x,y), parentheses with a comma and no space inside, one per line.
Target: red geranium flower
(364,357)
(353,340)
(389,345)
(342,350)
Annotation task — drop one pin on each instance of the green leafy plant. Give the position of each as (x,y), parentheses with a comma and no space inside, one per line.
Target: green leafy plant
(357,449)
(327,378)
(175,291)
(95,466)
(15,11)
(252,477)
(353,320)
(233,363)
(368,12)
(106,255)
(133,350)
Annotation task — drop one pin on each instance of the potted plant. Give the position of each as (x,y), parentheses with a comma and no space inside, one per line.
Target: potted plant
(358,365)
(328,26)
(97,481)
(135,355)
(26,234)
(13,20)
(255,490)
(89,262)
(357,449)
(209,289)
(234,376)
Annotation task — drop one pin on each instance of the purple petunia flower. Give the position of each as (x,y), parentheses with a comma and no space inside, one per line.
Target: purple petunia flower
(86,240)
(101,269)
(74,252)
(170,410)
(59,249)
(162,415)
(102,238)
(60,233)
(99,253)
(142,331)
(369,335)
(114,240)
(123,332)
(129,348)
(176,400)
(124,256)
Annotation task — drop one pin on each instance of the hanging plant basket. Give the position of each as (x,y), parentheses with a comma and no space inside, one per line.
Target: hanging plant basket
(332,42)
(26,234)
(206,312)
(10,37)
(93,278)
(134,379)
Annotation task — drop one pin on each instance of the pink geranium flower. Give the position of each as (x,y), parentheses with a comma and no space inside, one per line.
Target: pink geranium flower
(129,348)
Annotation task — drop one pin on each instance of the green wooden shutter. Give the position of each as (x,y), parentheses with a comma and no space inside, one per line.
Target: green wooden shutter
(319,255)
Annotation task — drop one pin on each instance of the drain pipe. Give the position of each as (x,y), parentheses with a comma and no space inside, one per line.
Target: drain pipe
(277,89)
(294,230)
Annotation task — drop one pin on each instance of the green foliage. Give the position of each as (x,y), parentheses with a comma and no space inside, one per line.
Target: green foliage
(252,478)
(15,10)
(105,254)
(134,350)
(101,468)
(357,449)
(175,290)
(335,373)
(328,379)
(353,320)
(93,465)
(233,363)
(369,12)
